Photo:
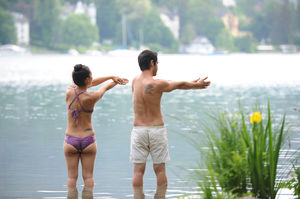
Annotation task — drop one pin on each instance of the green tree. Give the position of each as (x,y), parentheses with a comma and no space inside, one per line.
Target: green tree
(8,4)
(188,34)
(78,30)
(202,15)
(281,27)
(248,6)
(135,13)
(297,18)
(45,22)
(244,44)
(156,32)
(205,19)
(275,22)
(25,7)
(7,28)
(4,4)
(134,10)
(108,19)
(225,41)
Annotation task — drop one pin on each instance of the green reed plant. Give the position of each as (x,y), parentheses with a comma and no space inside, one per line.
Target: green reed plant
(296,185)
(226,157)
(242,156)
(294,182)
(208,185)
(263,145)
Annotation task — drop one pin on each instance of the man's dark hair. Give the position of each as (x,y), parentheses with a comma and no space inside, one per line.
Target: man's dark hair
(145,58)
(80,73)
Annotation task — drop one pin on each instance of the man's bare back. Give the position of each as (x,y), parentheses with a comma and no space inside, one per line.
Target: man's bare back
(147,93)
(146,101)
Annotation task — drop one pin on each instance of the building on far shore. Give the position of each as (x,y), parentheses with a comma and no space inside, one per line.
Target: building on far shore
(200,45)
(231,23)
(22,29)
(171,20)
(229,3)
(80,8)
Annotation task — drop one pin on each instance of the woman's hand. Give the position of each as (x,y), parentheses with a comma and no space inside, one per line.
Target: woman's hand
(121,81)
(124,81)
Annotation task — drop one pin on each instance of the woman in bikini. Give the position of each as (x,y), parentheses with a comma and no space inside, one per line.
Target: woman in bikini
(80,139)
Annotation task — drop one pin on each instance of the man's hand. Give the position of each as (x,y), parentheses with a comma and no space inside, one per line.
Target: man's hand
(201,83)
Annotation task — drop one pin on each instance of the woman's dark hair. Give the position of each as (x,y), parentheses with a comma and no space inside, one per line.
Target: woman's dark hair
(80,73)
(145,58)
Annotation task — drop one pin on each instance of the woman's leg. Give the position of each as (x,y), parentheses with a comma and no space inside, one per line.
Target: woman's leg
(88,156)
(72,160)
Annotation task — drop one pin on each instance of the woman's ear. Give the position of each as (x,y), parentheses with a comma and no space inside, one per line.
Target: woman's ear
(88,81)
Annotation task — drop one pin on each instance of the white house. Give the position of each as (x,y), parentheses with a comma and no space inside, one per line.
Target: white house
(81,8)
(228,3)
(200,45)
(170,20)
(22,28)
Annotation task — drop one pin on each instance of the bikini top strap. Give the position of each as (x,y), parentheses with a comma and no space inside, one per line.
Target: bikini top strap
(77,97)
(82,108)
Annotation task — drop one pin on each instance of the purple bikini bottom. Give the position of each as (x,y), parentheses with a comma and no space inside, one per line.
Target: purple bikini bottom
(80,143)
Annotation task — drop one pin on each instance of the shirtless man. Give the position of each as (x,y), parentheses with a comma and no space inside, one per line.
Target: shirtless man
(149,134)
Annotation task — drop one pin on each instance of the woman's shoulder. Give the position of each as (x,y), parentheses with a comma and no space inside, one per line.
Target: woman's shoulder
(70,88)
(91,95)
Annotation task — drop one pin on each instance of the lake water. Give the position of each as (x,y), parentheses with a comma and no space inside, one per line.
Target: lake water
(33,116)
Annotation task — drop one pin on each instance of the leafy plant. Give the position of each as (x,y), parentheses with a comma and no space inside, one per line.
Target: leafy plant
(209,187)
(242,156)
(293,183)
(227,156)
(297,184)
(263,144)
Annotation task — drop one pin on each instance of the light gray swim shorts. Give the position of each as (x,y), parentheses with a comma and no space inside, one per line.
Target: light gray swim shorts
(149,139)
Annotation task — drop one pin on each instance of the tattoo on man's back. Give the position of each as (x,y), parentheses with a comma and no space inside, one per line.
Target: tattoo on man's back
(148,89)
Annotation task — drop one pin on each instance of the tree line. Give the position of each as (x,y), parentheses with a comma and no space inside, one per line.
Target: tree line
(273,21)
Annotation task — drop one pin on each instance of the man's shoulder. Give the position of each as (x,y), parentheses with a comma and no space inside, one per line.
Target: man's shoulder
(135,78)
(160,82)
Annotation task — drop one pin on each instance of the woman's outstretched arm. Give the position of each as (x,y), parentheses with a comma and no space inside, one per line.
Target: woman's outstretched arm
(100,92)
(100,80)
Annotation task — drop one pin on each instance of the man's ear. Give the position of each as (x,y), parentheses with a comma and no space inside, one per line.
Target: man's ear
(151,63)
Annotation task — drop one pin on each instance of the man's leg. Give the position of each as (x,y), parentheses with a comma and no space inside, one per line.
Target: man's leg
(162,182)
(137,181)
(87,193)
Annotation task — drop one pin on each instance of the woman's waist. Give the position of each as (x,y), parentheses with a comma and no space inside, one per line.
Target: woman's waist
(81,133)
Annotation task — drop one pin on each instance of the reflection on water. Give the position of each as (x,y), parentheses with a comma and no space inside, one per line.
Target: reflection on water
(33,120)
(73,193)
(87,193)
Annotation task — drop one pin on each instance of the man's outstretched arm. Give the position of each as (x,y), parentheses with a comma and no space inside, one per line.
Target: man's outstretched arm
(168,86)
